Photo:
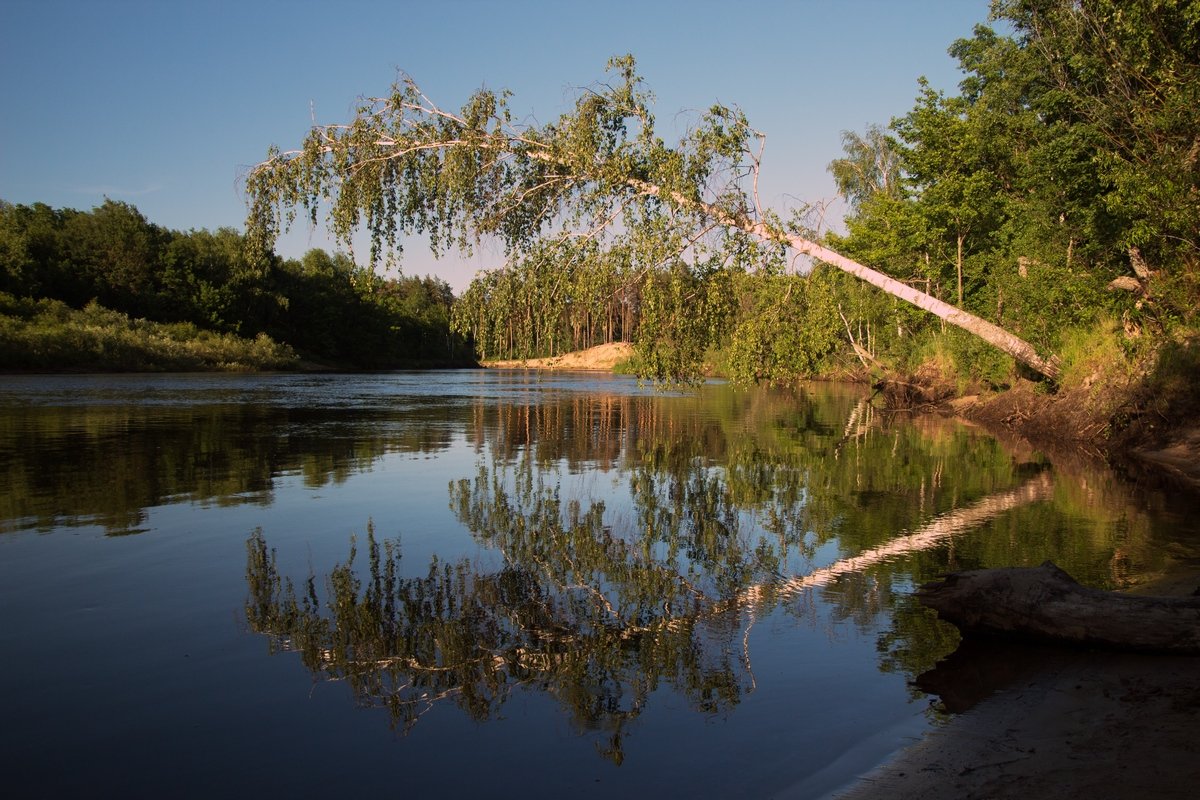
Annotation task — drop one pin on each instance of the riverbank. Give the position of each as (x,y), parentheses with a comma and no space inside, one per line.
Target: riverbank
(48,337)
(1151,427)
(1165,447)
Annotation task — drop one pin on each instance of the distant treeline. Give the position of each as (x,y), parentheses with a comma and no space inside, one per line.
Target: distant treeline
(326,308)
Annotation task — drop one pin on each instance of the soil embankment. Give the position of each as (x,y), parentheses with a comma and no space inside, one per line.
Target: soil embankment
(1168,450)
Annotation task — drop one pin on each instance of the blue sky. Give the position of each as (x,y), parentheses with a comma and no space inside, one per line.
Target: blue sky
(165,104)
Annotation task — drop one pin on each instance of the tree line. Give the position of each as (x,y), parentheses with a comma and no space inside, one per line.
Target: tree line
(327,308)
(1048,211)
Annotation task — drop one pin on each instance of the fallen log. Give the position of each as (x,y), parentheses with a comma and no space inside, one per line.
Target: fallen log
(1048,604)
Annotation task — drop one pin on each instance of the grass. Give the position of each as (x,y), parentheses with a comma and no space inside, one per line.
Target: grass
(1096,354)
(48,335)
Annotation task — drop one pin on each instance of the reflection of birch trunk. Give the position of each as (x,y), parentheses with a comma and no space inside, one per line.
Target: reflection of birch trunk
(938,530)
(857,424)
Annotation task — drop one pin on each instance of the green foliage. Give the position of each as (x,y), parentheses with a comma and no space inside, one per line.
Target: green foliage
(1129,72)
(325,306)
(1040,300)
(557,299)
(787,329)
(1095,355)
(1070,142)
(607,228)
(871,167)
(406,166)
(338,312)
(963,360)
(684,313)
(49,335)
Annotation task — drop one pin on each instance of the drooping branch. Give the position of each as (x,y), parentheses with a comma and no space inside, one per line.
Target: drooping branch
(404,165)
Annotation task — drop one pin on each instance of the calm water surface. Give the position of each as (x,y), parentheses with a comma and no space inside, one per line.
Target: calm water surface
(465,583)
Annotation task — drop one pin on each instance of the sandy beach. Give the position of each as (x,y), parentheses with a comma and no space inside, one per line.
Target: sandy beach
(601,357)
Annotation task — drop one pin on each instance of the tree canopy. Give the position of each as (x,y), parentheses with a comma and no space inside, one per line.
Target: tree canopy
(599,173)
(1061,186)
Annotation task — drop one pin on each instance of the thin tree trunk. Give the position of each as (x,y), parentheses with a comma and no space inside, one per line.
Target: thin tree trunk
(958,265)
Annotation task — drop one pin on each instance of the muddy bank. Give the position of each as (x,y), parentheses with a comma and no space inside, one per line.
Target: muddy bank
(1151,434)
(1165,448)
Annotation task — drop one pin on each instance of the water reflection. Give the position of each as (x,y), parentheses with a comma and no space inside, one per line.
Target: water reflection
(713,589)
(470,638)
(107,464)
(764,503)
(594,619)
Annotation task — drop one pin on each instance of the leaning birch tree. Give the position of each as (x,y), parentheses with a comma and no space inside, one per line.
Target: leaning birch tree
(405,165)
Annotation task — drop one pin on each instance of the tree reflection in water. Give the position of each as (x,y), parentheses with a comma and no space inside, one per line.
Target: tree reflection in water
(729,517)
(406,643)
(594,620)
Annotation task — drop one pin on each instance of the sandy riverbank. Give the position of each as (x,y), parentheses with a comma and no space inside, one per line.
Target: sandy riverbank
(1056,723)
(601,357)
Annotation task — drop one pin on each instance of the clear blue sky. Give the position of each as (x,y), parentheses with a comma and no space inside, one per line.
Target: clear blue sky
(164,104)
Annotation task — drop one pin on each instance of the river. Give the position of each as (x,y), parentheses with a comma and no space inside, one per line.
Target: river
(500,582)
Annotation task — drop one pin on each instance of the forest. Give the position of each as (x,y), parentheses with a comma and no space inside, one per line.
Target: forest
(107,289)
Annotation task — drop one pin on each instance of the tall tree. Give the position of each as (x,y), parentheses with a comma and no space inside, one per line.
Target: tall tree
(948,166)
(406,165)
(1128,73)
(870,167)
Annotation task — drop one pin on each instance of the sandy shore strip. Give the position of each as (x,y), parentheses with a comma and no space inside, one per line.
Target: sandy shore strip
(1089,726)
(600,357)
(1056,722)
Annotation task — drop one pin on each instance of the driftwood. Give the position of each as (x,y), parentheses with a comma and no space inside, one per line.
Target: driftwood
(1046,603)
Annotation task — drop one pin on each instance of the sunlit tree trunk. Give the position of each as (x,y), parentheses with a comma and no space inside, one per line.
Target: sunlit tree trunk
(958,265)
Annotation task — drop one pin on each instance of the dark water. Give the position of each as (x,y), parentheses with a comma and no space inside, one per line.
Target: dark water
(560,585)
